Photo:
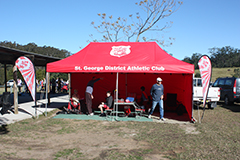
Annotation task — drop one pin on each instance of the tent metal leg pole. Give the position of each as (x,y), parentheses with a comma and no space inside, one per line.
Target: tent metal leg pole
(126,84)
(69,85)
(46,88)
(117,95)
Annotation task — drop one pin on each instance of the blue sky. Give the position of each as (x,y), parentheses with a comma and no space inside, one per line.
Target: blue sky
(66,24)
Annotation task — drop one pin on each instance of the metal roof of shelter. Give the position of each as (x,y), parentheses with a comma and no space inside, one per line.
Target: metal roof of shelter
(10,55)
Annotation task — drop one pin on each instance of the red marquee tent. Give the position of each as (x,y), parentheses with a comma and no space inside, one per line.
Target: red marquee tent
(138,64)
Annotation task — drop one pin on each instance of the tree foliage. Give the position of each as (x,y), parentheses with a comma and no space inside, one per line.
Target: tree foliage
(32,47)
(225,57)
(236,73)
(135,25)
(220,57)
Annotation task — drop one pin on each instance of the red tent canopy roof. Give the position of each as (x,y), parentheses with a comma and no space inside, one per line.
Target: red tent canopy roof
(128,57)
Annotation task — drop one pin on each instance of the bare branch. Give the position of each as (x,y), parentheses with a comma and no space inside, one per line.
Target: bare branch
(121,29)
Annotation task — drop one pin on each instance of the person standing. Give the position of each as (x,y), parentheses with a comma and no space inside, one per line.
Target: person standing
(144,98)
(156,92)
(53,86)
(41,85)
(44,83)
(89,95)
(19,84)
(59,85)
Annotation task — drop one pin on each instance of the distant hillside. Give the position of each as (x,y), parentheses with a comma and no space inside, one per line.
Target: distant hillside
(220,72)
(32,47)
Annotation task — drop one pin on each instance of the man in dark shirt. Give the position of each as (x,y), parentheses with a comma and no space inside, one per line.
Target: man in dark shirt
(89,95)
(157,96)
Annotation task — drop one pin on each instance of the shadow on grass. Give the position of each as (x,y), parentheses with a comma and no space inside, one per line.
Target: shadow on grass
(201,107)
(233,107)
(4,130)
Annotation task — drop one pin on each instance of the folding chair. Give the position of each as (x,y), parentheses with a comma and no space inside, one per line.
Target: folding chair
(74,108)
(138,110)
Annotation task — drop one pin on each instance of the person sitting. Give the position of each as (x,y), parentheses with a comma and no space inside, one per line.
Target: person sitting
(108,104)
(75,100)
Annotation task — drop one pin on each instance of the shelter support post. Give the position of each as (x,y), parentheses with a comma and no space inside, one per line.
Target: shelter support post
(47,90)
(15,97)
(5,76)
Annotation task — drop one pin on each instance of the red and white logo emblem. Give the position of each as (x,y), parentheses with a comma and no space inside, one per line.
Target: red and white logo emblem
(119,51)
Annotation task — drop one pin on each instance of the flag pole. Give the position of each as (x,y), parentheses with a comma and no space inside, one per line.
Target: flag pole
(35,101)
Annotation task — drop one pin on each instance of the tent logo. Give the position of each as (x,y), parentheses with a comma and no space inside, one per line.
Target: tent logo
(119,51)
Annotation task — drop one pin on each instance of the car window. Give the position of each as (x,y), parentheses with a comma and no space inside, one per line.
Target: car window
(221,82)
(228,82)
(238,82)
(194,82)
(199,83)
(215,84)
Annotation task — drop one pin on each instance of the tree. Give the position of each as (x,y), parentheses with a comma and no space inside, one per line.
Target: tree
(133,27)
(236,73)
(225,57)
(193,60)
(220,57)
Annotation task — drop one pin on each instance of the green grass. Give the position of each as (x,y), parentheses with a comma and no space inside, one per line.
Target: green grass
(69,154)
(115,154)
(221,72)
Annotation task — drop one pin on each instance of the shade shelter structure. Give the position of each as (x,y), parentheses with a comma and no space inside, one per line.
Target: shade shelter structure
(135,64)
(10,55)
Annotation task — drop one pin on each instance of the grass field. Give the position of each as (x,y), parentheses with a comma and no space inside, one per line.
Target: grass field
(221,72)
(217,137)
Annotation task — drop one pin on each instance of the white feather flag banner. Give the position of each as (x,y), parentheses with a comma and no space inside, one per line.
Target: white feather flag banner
(25,66)
(205,68)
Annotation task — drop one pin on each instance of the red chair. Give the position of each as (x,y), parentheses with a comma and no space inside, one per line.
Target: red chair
(108,109)
(127,110)
(74,107)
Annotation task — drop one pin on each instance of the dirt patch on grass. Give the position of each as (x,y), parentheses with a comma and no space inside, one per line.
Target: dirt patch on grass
(70,139)
(189,128)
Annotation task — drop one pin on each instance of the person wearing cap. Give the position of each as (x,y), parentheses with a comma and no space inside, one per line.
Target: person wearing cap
(157,96)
